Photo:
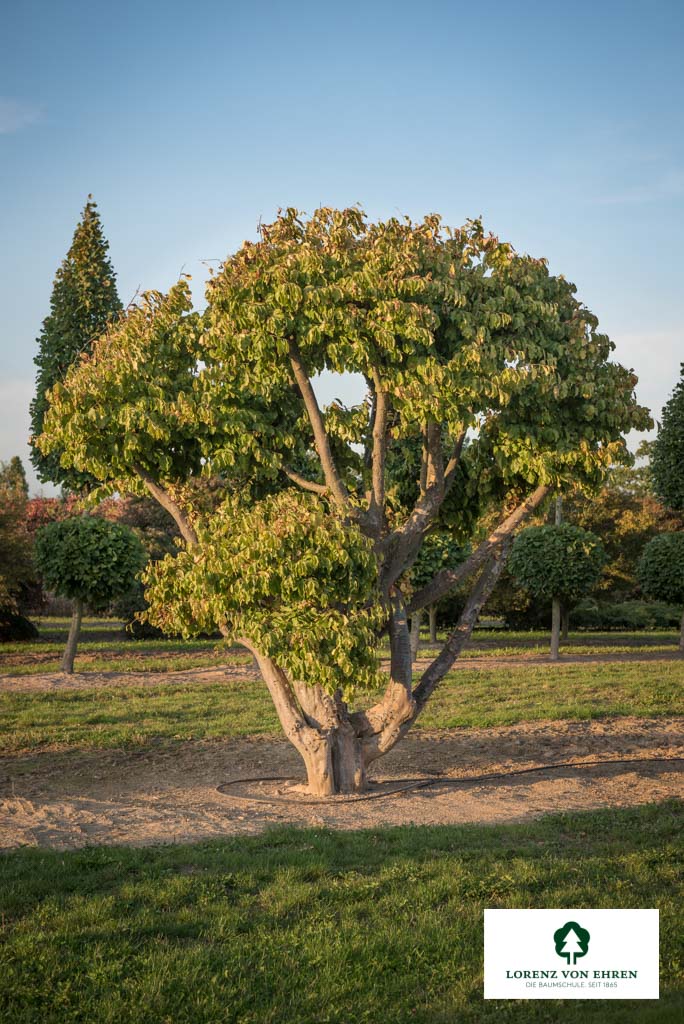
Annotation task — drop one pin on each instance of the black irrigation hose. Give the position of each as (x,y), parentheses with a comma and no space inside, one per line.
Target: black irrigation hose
(413,784)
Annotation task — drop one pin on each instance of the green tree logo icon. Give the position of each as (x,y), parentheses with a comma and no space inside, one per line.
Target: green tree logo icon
(571,941)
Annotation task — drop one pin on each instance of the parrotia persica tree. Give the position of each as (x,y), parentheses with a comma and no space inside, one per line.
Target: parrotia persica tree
(557,563)
(84,299)
(89,560)
(454,334)
(667,454)
(661,571)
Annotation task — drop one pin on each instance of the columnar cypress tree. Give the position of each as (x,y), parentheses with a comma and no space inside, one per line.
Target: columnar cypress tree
(667,461)
(84,299)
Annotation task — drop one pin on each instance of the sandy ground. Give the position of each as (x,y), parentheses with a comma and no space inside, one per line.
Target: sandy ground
(71,798)
(50,681)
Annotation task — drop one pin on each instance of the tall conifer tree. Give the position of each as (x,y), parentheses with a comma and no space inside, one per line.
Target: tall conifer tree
(84,299)
(667,459)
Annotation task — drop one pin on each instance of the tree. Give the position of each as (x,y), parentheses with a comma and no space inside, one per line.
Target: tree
(17,574)
(438,551)
(13,477)
(661,571)
(454,332)
(571,941)
(84,300)
(667,460)
(557,563)
(89,560)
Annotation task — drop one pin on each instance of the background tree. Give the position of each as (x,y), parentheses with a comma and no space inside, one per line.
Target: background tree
(560,562)
(438,551)
(667,461)
(13,477)
(661,571)
(89,560)
(84,300)
(454,334)
(17,575)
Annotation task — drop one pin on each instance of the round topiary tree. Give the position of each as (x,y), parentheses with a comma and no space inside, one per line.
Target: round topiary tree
(661,571)
(560,563)
(89,560)
(474,357)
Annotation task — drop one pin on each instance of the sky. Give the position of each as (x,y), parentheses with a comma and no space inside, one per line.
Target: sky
(560,124)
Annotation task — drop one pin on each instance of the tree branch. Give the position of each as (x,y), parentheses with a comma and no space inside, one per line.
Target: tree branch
(376,507)
(301,481)
(402,546)
(434,674)
(332,477)
(447,579)
(172,507)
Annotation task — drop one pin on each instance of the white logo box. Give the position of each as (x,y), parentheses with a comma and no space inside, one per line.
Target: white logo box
(621,959)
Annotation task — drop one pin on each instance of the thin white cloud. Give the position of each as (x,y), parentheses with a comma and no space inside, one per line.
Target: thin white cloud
(14,115)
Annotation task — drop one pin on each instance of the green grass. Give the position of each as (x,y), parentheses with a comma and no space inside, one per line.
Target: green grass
(297,927)
(133,715)
(105,647)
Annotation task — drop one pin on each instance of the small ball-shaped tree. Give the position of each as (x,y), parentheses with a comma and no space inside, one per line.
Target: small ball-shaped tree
(661,571)
(89,560)
(559,563)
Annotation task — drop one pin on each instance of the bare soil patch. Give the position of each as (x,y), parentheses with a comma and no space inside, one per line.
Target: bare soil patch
(49,681)
(72,798)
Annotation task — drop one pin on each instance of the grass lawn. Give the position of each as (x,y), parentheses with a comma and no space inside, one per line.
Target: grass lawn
(318,926)
(479,697)
(104,647)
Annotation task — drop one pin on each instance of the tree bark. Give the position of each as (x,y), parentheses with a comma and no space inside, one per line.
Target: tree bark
(74,633)
(555,628)
(432,612)
(565,623)
(415,635)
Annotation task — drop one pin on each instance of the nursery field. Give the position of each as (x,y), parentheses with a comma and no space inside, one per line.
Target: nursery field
(304,926)
(128,880)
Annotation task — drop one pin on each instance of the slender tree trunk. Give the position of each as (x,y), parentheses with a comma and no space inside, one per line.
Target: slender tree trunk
(555,628)
(556,610)
(415,634)
(681,636)
(74,632)
(432,610)
(565,623)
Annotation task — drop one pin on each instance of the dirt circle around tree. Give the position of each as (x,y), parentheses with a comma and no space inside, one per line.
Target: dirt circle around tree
(167,793)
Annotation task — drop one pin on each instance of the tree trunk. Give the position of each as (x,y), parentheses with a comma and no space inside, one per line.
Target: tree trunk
(565,623)
(74,632)
(415,634)
(555,628)
(337,745)
(432,611)
(681,636)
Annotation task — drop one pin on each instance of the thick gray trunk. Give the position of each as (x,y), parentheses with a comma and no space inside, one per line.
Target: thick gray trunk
(72,641)
(555,629)
(432,610)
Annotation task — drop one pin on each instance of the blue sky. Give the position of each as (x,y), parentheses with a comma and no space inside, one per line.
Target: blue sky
(561,124)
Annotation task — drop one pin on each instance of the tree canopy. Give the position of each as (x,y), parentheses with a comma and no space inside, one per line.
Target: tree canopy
(484,373)
(84,300)
(88,559)
(661,568)
(667,460)
(562,562)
